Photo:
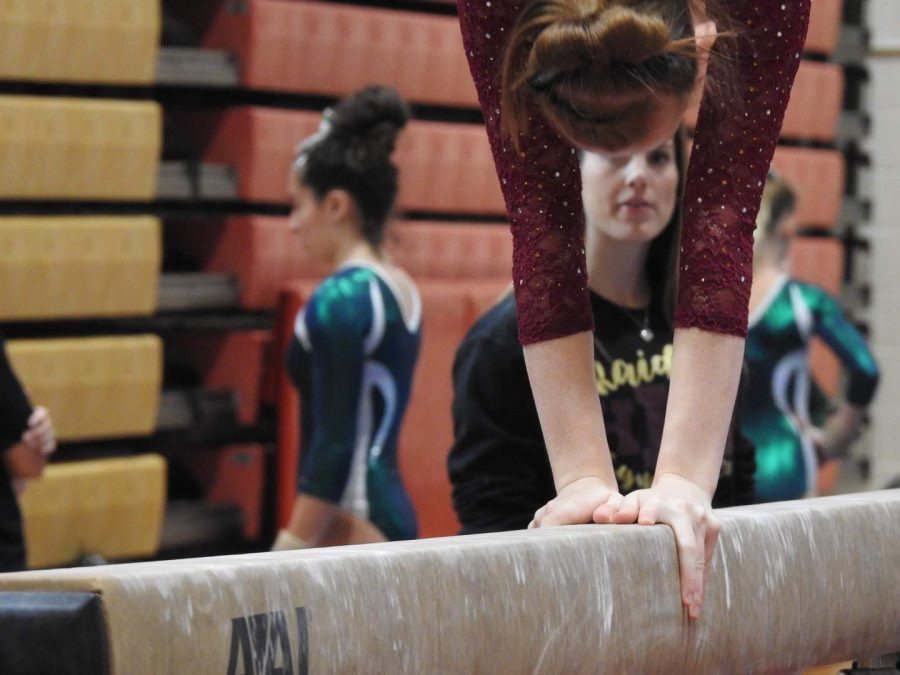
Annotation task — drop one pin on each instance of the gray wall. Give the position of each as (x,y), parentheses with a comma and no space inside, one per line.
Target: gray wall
(884,234)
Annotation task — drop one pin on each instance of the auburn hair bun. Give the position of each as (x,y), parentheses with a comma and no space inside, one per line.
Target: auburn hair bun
(599,40)
(563,52)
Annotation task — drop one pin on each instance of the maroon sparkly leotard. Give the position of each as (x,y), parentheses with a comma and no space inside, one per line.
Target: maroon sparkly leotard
(733,146)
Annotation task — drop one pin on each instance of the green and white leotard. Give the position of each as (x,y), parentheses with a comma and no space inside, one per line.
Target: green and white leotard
(352,358)
(778,382)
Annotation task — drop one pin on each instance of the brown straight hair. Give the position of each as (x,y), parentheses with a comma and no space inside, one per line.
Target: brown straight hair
(665,251)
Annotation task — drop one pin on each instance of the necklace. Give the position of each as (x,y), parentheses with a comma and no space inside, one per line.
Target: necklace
(645,332)
(643,324)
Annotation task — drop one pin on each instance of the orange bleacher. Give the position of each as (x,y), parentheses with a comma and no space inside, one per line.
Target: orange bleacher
(818,260)
(331,49)
(824,26)
(449,310)
(233,475)
(259,250)
(264,255)
(427,430)
(287,446)
(447,168)
(444,167)
(322,48)
(818,177)
(231,361)
(814,111)
(452,251)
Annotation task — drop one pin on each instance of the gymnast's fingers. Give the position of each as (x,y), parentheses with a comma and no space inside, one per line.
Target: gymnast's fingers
(568,510)
(607,510)
(628,508)
(649,514)
(538,517)
(691,560)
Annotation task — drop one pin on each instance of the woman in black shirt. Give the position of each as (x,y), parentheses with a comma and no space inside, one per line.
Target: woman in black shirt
(498,463)
(26,439)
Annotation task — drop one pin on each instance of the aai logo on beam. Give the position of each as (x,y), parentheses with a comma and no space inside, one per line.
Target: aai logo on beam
(261,645)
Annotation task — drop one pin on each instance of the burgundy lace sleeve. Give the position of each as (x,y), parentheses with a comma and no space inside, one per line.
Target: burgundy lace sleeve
(733,146)
(734,143)
(541,186)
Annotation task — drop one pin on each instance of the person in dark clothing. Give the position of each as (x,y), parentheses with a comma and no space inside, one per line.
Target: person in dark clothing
(26,440)
(498,464)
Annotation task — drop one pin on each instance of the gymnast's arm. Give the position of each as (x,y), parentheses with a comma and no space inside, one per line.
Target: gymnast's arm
(498,464)
(735,139)
(733,147)
(542,189)
(336,322)
(832,325)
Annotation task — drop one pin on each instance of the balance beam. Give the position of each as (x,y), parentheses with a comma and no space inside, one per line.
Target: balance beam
(791,585)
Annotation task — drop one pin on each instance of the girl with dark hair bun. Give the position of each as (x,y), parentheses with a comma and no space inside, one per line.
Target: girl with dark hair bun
(615,77)
(357,339)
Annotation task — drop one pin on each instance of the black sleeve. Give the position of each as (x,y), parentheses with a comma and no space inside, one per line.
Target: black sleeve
(743,465)
(737,483)
(498,464)
(820,405)
(15,408)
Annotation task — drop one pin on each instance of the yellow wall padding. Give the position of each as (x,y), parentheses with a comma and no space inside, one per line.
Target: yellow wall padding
(83,149)
(103,41)
(109,507)
(72,267)
(98,387)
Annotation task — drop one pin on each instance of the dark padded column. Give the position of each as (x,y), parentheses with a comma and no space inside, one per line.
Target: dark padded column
(60,633)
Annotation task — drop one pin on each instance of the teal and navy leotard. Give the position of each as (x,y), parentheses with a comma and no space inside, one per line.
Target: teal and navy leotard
(778,383)
(352,359)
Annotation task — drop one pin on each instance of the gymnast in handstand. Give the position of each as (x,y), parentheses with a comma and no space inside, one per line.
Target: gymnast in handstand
(615,77)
